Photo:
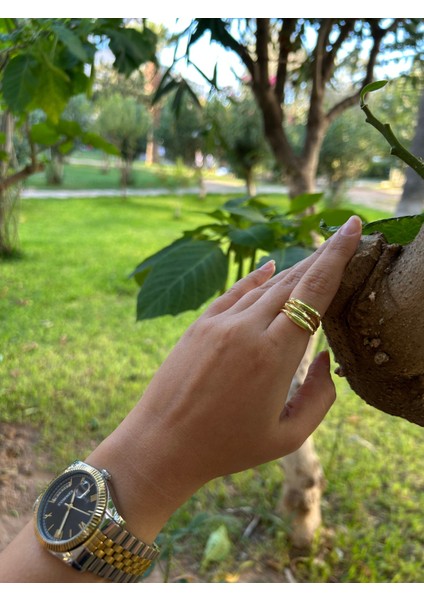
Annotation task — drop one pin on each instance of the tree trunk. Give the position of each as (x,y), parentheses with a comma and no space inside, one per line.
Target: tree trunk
(375,326)
(412,199)
(250,183)
(7,205)
(304,479)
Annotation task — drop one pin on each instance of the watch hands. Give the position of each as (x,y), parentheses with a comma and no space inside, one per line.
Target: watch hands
(78,509)
(69,506)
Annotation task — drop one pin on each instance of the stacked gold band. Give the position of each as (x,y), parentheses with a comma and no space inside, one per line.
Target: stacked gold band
(302,315)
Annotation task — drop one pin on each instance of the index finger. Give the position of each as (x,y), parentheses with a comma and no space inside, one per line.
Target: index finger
(319,284)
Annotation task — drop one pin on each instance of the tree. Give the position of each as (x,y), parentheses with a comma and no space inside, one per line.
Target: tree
(124,122)
(284,55)
(237,132)
(43,64)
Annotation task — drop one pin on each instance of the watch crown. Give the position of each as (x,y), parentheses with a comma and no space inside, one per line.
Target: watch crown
(106,474)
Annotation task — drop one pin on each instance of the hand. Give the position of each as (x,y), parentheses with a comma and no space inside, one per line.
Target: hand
(218,405)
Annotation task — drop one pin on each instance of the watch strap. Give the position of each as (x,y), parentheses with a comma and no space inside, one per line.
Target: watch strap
(114,553)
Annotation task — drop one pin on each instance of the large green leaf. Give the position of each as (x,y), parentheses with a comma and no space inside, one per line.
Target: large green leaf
(71,41)
(96,141)
(302,202)
(286,257)
(256,236)
(183,279)
(20,82)
(45,134)
(53,90)
(143,269)
(132,48)
(397,230)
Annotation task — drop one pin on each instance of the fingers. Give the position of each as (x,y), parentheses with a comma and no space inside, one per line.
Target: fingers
(241,288)
(319,284)
(287,278)
(306,409)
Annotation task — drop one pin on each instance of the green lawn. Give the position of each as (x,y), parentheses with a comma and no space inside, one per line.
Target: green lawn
(73,360)
(97,176)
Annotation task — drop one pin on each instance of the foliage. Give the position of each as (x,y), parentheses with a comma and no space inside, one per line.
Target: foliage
(43,64)
(181,132)
(243,232)
(283,56)
(235,135)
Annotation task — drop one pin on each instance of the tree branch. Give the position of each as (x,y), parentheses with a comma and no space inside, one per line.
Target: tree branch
(377,34)
(262,40)
(396,147)
(20,175)
(288,27)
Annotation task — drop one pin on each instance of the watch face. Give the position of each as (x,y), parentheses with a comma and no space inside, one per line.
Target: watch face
(70,509)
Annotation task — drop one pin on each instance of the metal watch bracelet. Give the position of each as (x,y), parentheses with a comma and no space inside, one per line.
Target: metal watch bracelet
(116,554)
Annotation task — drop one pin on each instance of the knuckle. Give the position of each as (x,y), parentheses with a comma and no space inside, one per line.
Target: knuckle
(319,281)
(341,247)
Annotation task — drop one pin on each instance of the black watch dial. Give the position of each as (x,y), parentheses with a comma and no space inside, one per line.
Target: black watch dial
(68,508)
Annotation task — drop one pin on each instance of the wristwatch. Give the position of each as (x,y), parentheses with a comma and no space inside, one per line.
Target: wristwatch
(76,519)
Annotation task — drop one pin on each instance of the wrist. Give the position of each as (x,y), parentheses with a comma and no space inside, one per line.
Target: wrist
(147,482)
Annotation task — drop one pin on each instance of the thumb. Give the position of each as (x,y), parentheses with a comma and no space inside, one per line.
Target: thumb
(308,406)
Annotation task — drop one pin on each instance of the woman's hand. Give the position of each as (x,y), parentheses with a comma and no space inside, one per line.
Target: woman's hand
(217,405)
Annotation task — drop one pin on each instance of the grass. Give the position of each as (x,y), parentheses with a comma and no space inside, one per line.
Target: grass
(84,172)
(74,361)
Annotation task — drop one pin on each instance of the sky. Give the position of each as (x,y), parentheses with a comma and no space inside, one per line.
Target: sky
(206,55)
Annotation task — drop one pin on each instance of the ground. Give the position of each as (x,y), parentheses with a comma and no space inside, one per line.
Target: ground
(21,478)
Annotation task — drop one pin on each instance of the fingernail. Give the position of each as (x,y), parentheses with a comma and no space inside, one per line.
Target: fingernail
(268,267)
(352,226)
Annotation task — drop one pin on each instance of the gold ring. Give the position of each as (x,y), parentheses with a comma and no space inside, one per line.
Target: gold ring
(302,315)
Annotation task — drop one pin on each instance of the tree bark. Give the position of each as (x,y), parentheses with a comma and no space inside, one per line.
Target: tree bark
(304,479)
(375,326)
(412,199)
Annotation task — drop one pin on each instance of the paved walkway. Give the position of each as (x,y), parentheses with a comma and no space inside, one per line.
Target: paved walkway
(362,193)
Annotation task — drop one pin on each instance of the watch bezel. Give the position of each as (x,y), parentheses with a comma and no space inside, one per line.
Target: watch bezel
(92,525)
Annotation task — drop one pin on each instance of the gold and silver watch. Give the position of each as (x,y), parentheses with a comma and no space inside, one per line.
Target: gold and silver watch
(76,520)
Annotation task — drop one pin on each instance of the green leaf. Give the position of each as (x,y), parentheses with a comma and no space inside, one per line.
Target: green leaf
(250,214)
(20,82)
(71,129)
(96,141)
(302,202)
(337,216)
(396,230)
(183,279)
(257,236)
(66,147)
(218,546)
(132,48)
(44,134)
(71,41)
(143,269)
(286,257)
(372,87)
(52,92)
